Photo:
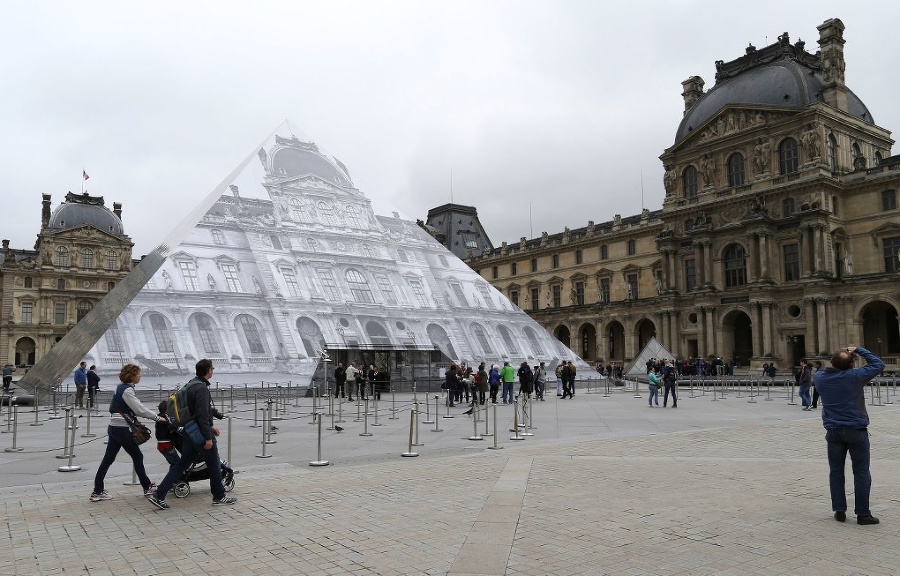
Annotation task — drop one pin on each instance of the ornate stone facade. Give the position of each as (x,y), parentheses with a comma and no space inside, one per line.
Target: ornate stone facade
(779,235)
(80,254)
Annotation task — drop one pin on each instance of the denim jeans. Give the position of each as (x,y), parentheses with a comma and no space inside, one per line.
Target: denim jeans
(189,452)
(508,392)
(856,441)
(804,396)
(120,437)
(654,395)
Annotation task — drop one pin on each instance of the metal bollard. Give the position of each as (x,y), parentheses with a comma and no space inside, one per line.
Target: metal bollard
(71,467)
(87,432)
(358,413)
(365,431)
(229,440)
(15,432)
(475,435)
(486,433)
(375,410)
(255,409)
(448,415)
(412,420)
(417,443)
(516,420)
(428,419)
(318,461)
(529,425)
(495,447)
(436,420)
(340,419)
(393,415)
(66,425)
(263,455)
(791,403)
(267,422)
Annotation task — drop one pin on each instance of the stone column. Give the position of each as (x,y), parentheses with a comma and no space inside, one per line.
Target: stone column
(823,327)
(700,263)
(671,280)
(767,328)
(758,329)
(810,332)
(819,248)
(752,256)
(712,340)
(763,256)
(701,332)
(675,330)
(806,254)
(707,255)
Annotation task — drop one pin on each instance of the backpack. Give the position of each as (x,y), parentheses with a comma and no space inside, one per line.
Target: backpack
(178,408)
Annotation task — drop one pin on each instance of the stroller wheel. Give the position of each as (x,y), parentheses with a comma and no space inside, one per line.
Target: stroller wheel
(229,482)
(182,489)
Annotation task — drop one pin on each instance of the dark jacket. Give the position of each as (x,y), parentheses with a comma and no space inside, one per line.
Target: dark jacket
(340,374)
(526,379)
(199,400)
(93,380)
(843,392)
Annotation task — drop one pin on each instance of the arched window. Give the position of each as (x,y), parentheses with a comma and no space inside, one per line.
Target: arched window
(205,334)
(832,153)
(252,336)
(877,159)
(327,213)
(161,336)
(298,211)
(736,170)
(689,182)
(857,157)
(352,216)
(787,156)
(735,266)
(359,288)
(62,256)
(87,258)
(480,335)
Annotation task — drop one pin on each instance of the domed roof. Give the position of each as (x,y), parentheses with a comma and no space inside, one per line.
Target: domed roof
(295,158)
(84,210)
(786,77)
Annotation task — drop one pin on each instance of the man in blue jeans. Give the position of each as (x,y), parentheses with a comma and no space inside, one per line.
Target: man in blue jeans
(842,389)
(199,402)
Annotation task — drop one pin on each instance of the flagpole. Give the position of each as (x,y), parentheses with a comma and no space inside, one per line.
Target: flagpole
(83,172)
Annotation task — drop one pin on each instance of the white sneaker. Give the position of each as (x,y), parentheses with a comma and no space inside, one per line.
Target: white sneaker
(97,497)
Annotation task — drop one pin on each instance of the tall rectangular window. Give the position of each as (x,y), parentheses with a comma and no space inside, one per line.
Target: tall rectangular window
(579,257)
(418,291)
(232,281)
(114,339)
(791,262)
(892,254)
(59,313)
(604,290)
(189,275)
(534,264)
(557,295)
(387,289)
(632,247)
(460,295)
(514,297)
(889,200)
(632,281)
(535,298)
(329,286)
(290,280)
(555,261)
(27,309)
(604,252)
(512,269)
(579,293)
(494,272)
(690,275)
(486,295)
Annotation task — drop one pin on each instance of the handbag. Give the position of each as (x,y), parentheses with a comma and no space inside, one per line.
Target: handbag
(139,432)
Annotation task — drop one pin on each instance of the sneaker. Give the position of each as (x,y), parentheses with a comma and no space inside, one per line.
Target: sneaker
(96,497)
(158,502)
(864,520)
(224,500)
(149,491)
(840,515)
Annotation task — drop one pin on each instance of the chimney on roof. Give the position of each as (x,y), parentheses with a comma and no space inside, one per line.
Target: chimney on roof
(831,58)
(693,90)
(45,211)
(117,209)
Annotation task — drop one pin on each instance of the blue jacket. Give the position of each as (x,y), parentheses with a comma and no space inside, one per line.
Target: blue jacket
(80,376)
(843,392)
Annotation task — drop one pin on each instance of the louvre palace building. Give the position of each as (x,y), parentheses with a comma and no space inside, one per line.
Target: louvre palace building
(81,252)
(778,238)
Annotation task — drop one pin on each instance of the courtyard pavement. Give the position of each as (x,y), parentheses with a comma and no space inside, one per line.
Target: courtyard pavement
(606,485)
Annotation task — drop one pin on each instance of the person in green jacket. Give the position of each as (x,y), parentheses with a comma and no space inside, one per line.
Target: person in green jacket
(655,381)
(508,376)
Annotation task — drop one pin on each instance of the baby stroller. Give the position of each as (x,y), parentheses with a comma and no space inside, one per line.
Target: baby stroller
(198,471)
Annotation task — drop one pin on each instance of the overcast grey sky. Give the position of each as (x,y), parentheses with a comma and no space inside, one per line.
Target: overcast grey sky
(563,106)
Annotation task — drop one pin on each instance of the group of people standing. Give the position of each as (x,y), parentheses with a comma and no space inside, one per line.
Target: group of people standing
(351,378)
(86,379)
(463,383)
(662,374)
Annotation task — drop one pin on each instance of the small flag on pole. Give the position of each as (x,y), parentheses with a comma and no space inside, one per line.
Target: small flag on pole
(85,175)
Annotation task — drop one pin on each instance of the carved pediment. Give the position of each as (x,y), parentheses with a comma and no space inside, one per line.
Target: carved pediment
(888,229)
(730,120)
